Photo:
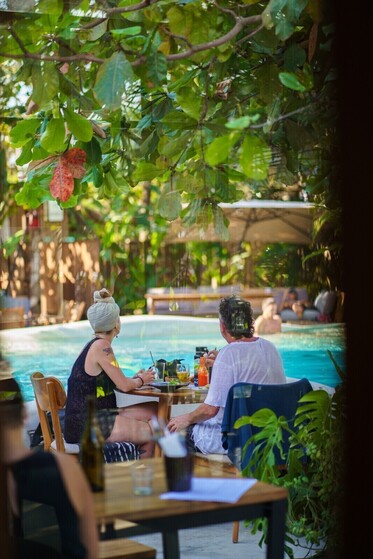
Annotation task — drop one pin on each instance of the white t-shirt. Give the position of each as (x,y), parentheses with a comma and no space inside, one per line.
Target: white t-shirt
(258,362)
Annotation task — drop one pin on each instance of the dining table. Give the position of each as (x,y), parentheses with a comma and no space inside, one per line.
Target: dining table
(151,513)
(166,399)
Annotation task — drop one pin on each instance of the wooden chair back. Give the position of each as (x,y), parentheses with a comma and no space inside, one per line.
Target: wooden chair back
(50,396)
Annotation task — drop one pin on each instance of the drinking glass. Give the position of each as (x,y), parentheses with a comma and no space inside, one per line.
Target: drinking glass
(158,371)
(182,371)
(142,479)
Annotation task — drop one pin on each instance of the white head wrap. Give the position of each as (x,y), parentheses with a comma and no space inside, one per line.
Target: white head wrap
(104,313)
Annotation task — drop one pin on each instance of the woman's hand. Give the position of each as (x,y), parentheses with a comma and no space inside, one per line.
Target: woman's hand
(147,376)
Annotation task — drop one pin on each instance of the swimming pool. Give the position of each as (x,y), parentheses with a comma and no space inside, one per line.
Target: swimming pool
(53,349)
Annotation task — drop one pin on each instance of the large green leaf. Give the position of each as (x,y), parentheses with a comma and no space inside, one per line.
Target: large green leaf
(53,138)
(26,155)
(146,172)
(169,204)
(268,83)
(255,158)
(93,151)
(220,224)
(170,148)
(238,123)
(183,80)
(45,81)
(112,77)
(94,33)
(156,68)
(32,194)
(79,126)
(178,120)
(49,7)
(290,80)
(219,149)
(189,102)
(126,32)
(23,132)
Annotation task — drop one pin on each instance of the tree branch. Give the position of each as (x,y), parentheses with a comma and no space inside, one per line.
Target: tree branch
(239,25)
(180,37)
(249,35)
(54,58)
(17,39)
(282,117)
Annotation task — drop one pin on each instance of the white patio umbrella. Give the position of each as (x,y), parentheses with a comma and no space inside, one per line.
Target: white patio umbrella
(255,221)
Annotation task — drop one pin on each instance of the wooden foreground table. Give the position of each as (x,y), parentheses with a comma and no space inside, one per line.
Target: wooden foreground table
(151,513)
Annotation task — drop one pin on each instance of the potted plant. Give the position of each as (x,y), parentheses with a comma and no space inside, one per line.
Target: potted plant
(314,468)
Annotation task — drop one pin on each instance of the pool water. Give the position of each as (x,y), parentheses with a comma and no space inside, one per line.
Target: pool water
(52,350)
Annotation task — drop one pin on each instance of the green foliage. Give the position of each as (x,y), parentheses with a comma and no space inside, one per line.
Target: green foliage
(314,468)
(197,98)
(11,243)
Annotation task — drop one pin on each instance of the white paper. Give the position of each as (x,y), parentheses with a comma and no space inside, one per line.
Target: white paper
(173,446)
(222,490)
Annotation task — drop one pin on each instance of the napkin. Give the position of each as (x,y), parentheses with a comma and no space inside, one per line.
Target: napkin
(173,445)
(222,490)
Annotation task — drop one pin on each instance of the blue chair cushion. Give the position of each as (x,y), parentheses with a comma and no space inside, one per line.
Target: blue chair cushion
(244,399)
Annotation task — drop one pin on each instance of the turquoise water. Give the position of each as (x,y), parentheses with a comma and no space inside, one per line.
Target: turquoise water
(53,349)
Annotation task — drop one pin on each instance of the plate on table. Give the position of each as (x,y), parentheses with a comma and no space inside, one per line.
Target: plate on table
(165,386)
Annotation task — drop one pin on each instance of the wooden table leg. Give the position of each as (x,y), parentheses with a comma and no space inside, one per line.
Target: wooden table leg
(164,413)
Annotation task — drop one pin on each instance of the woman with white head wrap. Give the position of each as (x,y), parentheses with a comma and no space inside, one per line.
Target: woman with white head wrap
(103,315)
(96,371)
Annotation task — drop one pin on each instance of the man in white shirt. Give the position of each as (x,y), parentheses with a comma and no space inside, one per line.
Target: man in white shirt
(246,358)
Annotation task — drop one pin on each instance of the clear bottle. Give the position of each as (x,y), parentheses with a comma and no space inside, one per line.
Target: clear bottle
(91,449)
(203,374)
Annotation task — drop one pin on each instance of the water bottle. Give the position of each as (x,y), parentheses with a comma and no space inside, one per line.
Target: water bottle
(195,369)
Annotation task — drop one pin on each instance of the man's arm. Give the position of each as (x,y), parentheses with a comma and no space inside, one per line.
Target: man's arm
(200,414)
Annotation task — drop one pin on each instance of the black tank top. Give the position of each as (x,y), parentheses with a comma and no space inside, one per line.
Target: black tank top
(38,479)
(79,385)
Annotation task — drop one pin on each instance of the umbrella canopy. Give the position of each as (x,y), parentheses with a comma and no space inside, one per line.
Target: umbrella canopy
(255,221)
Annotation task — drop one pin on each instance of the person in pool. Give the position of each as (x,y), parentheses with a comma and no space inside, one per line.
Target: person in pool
(97,372)
(245,358)
(291,301)
(269,322)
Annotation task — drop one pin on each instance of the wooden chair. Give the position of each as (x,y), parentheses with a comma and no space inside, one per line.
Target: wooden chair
(50,396)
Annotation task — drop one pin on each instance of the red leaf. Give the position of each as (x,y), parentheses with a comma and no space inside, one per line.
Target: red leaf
(62,183)
(75,159)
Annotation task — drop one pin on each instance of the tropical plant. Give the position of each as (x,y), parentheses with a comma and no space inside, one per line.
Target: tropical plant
(314,468)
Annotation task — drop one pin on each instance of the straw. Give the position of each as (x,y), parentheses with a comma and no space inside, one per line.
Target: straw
(151,355)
